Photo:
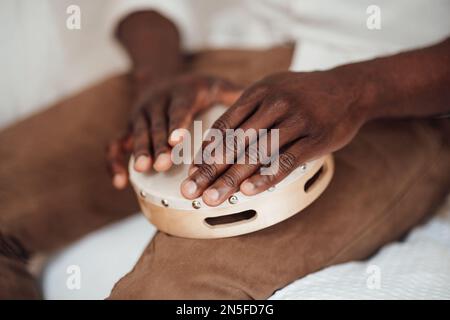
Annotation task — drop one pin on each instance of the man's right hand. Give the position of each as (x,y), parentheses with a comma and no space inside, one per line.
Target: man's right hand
(160,110)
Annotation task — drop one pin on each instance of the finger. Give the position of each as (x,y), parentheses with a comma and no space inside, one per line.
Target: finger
(269,113)
(116,157)
(274,129)
(256,154)
(239,111)
(231,146)
(141,143)
(182,109)
(180,115)
(237,114)
(161,149)
(289,159)
(228,183)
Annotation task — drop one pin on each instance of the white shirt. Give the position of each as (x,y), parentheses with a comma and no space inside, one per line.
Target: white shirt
(42,61)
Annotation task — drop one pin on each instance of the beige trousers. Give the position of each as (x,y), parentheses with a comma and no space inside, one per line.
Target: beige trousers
(54,188)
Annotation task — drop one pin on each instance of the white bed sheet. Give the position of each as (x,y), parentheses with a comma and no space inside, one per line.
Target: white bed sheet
(416,268)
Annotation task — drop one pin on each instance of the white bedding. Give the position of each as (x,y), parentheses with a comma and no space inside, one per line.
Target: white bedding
(416,268)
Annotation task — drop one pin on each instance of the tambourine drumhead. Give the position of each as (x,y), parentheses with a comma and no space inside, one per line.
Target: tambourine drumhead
(161,200)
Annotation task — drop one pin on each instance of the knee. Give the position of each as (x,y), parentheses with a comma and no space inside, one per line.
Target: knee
(175,268)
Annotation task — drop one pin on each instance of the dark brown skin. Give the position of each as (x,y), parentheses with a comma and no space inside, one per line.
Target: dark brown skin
(152,43)
(172,105)
(164,100)
(316,112)
(320,112)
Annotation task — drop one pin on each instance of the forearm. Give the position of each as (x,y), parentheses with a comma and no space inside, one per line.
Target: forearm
(409,84)
(152,42)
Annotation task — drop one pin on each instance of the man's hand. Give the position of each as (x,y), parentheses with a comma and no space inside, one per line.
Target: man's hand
(159,112)
(316,113)
(320,112)
(153,46)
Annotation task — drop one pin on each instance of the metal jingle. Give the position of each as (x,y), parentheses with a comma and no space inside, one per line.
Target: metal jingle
(196,204)
(233,199)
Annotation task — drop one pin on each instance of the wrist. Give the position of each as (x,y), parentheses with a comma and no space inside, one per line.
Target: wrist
(149,74)
(142,79)
(153,45)
(360,80)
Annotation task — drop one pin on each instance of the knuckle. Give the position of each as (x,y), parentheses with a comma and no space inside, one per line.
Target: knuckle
(160,148)
(279,102)
(140,148)
(230,179)
(208,171)
(260,89)
(222,124)
(287,162)
(232,145)
(140,141)
(255,92)
(260,152)
(254,156)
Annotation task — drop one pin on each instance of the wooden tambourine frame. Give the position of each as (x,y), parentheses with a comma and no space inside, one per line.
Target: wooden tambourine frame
(252,213)
(165,207)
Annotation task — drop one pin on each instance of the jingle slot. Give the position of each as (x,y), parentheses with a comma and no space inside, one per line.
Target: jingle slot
(231,218)
(311,181)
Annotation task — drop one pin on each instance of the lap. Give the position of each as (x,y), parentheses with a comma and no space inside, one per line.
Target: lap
(53,178)
(388,179)
(54,187)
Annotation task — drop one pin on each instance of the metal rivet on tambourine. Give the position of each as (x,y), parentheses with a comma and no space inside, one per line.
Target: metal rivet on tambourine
(165,203)
(143,194)
(303,167)
(272,188)
(196,204)
(233,199)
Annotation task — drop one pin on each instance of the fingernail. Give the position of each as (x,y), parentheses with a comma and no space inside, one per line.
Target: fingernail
(176,136)
(247,187)
(192,170)
(119,181)
(189,187)
(212,194)
(142,163)
(163,162)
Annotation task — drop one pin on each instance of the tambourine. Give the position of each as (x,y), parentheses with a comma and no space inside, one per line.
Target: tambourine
(162,203)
